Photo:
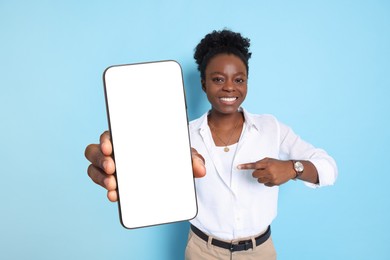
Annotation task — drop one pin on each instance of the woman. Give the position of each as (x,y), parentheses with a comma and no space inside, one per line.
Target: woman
(241,157)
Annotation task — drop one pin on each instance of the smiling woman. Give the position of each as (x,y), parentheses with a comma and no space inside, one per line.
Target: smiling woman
(245,159)
(242,157)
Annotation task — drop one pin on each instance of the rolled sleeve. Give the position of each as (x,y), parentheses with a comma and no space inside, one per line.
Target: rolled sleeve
(327,171)
(293,147)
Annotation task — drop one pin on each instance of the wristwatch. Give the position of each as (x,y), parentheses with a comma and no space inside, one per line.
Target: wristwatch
(298,168)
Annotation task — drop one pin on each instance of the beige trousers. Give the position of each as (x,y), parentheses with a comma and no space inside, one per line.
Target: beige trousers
(198,249)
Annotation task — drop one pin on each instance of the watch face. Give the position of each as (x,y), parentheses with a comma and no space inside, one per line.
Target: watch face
(298,166)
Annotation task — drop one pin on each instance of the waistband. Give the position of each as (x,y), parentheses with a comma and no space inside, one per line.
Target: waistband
(237,246)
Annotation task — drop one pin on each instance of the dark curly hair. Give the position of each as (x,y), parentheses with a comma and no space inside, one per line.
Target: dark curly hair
(218,42)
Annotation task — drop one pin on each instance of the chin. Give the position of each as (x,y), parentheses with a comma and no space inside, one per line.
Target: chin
(227,110)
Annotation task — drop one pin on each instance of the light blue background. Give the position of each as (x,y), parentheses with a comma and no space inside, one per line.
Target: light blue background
(321,67)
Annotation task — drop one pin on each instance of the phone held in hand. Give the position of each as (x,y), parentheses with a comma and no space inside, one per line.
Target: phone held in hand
(148,123)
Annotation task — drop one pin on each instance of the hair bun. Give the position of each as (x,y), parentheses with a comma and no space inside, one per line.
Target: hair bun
(224,41)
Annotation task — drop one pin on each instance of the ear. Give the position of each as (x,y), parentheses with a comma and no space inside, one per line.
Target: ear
(203,82)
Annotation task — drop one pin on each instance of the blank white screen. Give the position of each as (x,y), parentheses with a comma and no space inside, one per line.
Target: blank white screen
(149,127)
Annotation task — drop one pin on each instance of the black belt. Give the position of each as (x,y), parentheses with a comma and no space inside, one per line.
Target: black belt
(240,246)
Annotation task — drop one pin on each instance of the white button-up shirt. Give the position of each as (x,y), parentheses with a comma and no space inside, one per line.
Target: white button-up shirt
(245,207)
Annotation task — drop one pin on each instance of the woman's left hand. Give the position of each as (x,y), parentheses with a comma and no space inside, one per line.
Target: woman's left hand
(270,171)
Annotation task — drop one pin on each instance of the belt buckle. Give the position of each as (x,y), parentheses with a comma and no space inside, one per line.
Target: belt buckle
(237,247)
(232,249)
(247,245)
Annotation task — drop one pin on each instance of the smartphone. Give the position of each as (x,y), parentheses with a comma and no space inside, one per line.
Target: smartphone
(148,123)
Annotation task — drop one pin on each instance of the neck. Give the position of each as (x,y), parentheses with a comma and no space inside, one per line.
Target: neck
(225,121)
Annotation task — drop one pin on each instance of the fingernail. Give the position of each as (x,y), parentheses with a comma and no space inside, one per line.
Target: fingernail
(239,167)
(200,160)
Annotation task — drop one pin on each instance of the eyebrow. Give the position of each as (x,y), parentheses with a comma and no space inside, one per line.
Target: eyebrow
(217,72)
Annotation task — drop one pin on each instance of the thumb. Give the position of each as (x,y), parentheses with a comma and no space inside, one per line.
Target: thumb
(198,166)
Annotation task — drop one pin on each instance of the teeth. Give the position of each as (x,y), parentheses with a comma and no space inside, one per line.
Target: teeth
(228,99)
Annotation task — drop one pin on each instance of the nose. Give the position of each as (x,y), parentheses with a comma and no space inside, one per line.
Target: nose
(228,86)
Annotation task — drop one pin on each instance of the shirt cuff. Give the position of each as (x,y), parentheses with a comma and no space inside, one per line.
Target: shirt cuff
(327,172)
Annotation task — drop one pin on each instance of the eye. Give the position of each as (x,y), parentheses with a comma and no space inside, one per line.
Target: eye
(240,80)
(218,80)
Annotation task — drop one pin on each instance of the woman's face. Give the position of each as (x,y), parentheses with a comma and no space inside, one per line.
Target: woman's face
(225,83)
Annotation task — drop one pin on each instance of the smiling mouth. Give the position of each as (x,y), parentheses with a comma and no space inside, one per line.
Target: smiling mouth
(228,99)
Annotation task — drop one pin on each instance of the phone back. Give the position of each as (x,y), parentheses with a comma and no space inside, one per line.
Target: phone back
(148,123)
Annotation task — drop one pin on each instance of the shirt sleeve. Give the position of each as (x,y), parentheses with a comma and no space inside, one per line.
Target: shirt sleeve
(292,147)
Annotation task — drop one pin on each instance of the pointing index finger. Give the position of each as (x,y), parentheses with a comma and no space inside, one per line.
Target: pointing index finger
(247,166)
(259,165)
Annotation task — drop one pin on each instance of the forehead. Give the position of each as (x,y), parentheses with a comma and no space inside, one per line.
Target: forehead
(225,63)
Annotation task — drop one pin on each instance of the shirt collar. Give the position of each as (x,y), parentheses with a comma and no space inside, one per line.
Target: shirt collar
(249,120)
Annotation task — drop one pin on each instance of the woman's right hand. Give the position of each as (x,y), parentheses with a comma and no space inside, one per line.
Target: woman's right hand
(102,167)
